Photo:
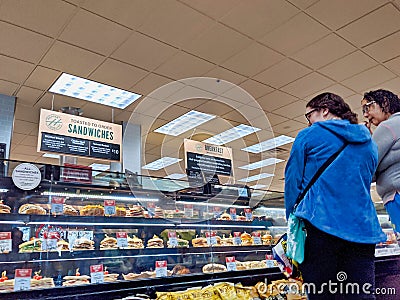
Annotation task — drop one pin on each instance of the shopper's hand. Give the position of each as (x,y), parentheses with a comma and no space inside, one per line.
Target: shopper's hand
(368,125)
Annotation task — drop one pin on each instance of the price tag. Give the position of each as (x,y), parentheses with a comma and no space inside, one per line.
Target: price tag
(211,237)
(22,280)
(256,238)
(248,214)
(172,239)
(269,260)
(188,210)
(57,205)
(151,208)
(232,212)
(161,268)
(109,207)
(5,242)
(217,211)
(230,263)
(122,240)
(237,241)
(49,242)
(96,274)
(77,234)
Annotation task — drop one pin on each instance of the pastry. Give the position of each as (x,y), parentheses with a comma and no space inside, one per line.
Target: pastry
(92,210)
(31,209)
(155,242)
(69,210)
(4,209)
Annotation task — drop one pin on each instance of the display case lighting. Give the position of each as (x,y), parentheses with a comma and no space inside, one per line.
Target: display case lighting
(256,177)
(99,224)
(258,186)
(211,204)
(175,176)
(269,144)
(222,226)
(94,196)
(51,155)
(231,134)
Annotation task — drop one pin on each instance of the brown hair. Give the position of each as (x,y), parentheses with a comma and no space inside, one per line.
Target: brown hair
(388,101)
(336,106)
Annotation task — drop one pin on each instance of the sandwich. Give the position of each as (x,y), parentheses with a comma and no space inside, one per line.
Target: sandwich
(69,210)
(246,238)
(83,244)
(110,277)
(266,239)
(199,242)
(76,280)
(135,243)
(108,243)
(180,270)
(62,245)
(158,212)
(227,241)
(226,217)
(42,283)
(92,210)
(4,209)
(31,209)
(181,244)
(120,211)
(213,268)
(30,246)
(135,211)
(155,242)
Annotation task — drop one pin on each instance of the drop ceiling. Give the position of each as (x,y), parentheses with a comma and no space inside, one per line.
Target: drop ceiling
(281,52)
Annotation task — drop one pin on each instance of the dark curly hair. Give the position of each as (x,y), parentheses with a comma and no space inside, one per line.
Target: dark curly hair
(336,106)
(389,102)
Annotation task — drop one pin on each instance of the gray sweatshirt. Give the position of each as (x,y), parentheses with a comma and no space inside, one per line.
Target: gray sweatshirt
(387,137)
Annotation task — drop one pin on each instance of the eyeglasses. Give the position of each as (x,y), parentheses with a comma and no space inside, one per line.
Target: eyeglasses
(366,106)
(308,115)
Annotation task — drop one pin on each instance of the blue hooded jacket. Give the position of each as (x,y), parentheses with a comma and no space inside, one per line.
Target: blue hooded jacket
(339,202)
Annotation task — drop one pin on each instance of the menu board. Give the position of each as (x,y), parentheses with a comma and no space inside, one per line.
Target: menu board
(78,136)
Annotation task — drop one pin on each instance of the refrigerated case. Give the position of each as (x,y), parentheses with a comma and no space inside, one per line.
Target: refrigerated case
(119,236)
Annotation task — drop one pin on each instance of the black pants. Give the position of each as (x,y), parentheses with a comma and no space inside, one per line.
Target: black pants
(337,269)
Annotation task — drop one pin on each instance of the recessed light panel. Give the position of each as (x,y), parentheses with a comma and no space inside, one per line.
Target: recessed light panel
(262,163)
(85,89)
(184,123)
(269,144)
(51,155)
(231,134)
(175,176)
(161,163)
(258,186)
(256,177)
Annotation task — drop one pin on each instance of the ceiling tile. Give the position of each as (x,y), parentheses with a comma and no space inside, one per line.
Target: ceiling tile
(7,88)
(17,138)
(184,65)
(275,100)
(367,79)
(234,115)
(337,89)
(214,108)
(394,65)
(264,16)
(55,101)
(338,13)
(130,13)
(174,23)
(46,16)
(348,66)
(225,74)
(373,26)
(253,60)
(324,51)
(143,51)
(213,9)
(192,103)
(307,85)
(29,141)
(21,43)
(217,44)
(92,32)
(292,110)
(24,127)
(150,83)
(354,101)
(28,96)
(255,89)
(275,119)
(288,126)
(42,78)
(71,59)
(27,113)
(117,74)
(96,111)
(303,4)
(384,49)
(392,85)
(297,33)
(14,70)
(282,73)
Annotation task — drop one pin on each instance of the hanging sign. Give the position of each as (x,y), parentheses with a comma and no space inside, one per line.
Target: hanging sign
(26,176)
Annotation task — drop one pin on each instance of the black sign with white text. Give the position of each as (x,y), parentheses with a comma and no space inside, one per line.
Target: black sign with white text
(208,164)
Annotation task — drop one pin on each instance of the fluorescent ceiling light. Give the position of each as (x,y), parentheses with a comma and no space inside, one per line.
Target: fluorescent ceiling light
(258,186)
(51,155)
(269,144)
(262,163)
(256,177)
(175,176)
(184,123)
(98,167)
(85,89)
(231,134)
(161,163)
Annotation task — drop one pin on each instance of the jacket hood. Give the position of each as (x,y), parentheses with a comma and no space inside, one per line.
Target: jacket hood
(352,133)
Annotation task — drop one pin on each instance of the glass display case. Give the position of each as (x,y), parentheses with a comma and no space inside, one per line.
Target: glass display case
(77,235)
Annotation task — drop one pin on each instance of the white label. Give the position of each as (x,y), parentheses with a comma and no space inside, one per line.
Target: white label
(248,214)
(172,240)
(26,176)
(188,210)
(270,263)
(96,274)
(257,238)
(230,263)
(237,241)
(109,207)
(211,238)
(22,280)
(161,268)
(5,242)
(77,234)
(122,240)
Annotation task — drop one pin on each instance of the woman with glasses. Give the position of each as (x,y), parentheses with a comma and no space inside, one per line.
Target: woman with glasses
(341,221)
(382,109)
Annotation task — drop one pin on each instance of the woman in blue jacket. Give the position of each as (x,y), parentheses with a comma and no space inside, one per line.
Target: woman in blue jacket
(341,221)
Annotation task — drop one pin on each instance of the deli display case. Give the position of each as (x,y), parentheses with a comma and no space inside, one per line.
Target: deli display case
(82,236)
